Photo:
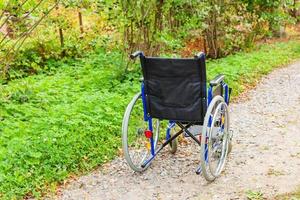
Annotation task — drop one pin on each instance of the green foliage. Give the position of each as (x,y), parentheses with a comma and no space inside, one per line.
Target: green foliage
(70,122)
(253,195)
(154,26)
(243,69)
(42,118)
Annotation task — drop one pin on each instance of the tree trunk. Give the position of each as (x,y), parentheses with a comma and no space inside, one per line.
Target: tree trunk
(159,14)
(61,37)
(158,25)
(296,11)
(204,45)
(62,42)
(80,24)
(212,33)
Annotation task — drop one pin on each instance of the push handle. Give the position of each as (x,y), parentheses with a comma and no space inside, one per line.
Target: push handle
(136,54)
(199,55)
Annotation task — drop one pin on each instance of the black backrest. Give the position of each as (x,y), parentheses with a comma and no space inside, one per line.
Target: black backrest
(175,88)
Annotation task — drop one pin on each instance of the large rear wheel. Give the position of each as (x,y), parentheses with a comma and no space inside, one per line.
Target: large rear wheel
(136,146)
(215,139)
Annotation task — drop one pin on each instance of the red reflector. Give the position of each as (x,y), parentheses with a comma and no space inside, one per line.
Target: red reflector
(148,133)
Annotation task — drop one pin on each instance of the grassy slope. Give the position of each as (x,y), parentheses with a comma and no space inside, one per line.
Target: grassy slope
(69,122)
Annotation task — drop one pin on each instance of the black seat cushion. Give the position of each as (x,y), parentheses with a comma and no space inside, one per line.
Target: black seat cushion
(175,88)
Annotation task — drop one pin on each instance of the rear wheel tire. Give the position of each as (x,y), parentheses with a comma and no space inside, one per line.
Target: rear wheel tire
(215,139)
(134,142)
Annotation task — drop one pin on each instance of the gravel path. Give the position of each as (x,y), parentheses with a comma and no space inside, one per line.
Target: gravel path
(265,156)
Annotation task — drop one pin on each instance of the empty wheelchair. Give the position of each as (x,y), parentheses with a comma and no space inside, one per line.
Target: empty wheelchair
(175,90)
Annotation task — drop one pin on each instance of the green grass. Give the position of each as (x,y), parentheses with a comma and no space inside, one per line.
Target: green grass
(289,196)
(257,195)
(52,126)
(254,195)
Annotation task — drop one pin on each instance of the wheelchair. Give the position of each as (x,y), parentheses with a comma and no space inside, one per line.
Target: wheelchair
(174,91)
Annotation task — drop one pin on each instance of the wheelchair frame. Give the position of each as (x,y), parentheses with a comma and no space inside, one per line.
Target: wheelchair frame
(184,127)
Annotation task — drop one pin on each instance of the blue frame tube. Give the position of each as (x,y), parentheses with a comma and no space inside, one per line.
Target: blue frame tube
(226,95)
(147,117)
(151,139)
(210,95)
(209,99)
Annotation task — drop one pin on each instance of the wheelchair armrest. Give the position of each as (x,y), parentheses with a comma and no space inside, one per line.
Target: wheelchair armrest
(136,54)
(217,80)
